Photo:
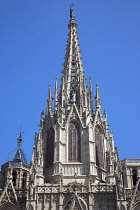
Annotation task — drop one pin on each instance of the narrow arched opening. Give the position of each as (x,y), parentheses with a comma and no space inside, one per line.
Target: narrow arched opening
(24,179)
(49,147)
(134,176)
(99,147)
(14,179)
(74,144)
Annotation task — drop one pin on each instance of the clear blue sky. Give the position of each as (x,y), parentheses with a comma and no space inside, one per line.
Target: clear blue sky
(32,44)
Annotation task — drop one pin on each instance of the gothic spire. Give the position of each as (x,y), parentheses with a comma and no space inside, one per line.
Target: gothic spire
(18,154)
(73,87)
(19,140)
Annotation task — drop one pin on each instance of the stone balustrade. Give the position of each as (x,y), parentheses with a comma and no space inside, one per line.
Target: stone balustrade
(68,188)
(130,161)
(12,164)
(48,189)
(102,188)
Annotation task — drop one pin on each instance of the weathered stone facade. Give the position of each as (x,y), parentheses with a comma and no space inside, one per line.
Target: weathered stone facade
(74,162)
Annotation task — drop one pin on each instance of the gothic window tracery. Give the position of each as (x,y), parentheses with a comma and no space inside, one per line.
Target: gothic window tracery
(74,147)
(99,147)
(49,147)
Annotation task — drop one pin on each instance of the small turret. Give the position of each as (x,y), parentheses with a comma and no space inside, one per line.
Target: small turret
(18,154)
(16,176)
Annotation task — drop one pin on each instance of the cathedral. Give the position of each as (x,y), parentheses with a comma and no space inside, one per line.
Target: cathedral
(74,164)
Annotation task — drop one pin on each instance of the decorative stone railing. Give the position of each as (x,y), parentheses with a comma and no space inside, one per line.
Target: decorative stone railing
(71,169)
(102,188)
(74,169)
(48,189)
(15,163)
(75,187)
(130,161)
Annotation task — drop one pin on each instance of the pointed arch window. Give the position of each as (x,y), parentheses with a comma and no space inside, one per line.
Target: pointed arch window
(99,147)
(74,146)
(49,147)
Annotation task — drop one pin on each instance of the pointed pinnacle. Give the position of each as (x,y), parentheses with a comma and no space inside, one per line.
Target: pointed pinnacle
(56,85)
(90,84)
(105,113)
(49,92)
(97,98)
(49,100)
(56,94)
(19,140)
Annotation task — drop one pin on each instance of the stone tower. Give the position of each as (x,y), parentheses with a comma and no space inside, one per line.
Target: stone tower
(74,162)
(74,152)
(76,141)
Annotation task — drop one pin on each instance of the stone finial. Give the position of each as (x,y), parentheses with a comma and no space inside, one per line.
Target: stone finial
(72,13)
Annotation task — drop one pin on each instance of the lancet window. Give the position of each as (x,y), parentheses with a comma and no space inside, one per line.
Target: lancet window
(74,146)
(99,147)
(49,147)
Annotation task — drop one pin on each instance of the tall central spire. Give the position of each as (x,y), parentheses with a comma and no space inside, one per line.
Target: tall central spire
(73,87)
